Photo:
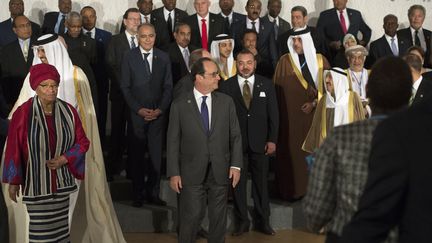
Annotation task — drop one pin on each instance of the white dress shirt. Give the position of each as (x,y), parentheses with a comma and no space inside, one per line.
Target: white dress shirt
(92,31)
(166,12)
(149,58)
(207,18)
(251,81)
(416,85)
(249,24)
(345,14)
(128,36)
(229,16)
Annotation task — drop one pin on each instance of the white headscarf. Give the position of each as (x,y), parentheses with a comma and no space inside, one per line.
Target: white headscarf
(58,56)
(340,102)
(214,47)
(309,52)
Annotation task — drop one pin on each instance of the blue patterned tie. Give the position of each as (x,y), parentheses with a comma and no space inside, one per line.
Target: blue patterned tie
(205,114)
(393,47)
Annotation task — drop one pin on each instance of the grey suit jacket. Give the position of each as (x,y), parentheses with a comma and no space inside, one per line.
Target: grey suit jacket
(190,150)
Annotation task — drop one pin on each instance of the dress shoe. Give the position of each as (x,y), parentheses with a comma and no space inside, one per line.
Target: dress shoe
(265,229)
(243,227)
(137,204)
(157,201)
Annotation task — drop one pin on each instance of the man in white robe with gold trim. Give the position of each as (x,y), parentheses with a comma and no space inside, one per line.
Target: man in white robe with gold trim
(94,218)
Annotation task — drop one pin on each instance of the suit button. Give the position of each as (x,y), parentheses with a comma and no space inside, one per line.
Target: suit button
(248,115)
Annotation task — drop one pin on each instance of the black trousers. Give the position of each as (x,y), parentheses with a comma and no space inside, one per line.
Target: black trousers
(332,238)
(193,202)
(146,158)
(257,164)
(118,142)
(4,224)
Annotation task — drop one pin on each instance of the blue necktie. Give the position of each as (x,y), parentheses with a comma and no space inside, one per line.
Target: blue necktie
(146,63)
(393,47)
(205,114)
(132,42)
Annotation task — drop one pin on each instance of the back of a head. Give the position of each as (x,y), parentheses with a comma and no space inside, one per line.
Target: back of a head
(414,62)
(389,85)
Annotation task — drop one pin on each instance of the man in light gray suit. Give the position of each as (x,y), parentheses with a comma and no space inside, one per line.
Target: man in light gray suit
(204,153)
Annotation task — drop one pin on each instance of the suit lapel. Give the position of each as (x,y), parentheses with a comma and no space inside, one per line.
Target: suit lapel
(124,41)
(214,111)
(256,91)
(237,92)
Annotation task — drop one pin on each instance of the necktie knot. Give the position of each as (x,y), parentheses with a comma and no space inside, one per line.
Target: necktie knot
(146,55)
(89,34)
(203,20)
(204,98)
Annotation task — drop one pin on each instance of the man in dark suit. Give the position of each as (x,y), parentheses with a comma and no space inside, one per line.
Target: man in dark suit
(266,44)
(54,22)
(280,25)
(102,39)
(415,34)
(16,8)
(205,26)
(203,153)
(82,51)
(164,20)
(257,111)
(16,59)
(390,44)
(147,85)
(422,86)
(228,14)
(145,8)
(180,51)
(299,20)
(336,22)
(395,192)
(118,46)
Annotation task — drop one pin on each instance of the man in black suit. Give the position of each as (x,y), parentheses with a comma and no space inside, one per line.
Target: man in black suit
(280,25)
(205,26)
(390,44)
(422,86)
(203,153)
(180,51)
(102,39)
(336,22)
(164,20)
(82,51)
(54,22)
(397,192)
(118,46)
(257,111)
(147,86)
(16,59)
(16,8)
(299,21)
(145,8)
(266,44)
(415,34)
(228,14)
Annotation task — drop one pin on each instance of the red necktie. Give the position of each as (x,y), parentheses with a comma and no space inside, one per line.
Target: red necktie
(204,34)
(342,22)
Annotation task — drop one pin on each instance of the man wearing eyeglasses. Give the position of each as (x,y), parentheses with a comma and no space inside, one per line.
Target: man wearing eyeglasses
(146,83)
(16,8)
(204,153)
(16,59)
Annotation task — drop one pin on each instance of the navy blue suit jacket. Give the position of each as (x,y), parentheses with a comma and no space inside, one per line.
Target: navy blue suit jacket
(7,35)
(50,20)
(146,90)
(329,25)
(102,38)
(381,48)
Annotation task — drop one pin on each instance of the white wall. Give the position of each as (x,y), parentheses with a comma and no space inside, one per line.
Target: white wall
(110,11)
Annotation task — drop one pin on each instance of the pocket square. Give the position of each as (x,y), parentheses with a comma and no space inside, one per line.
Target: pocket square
(262,94)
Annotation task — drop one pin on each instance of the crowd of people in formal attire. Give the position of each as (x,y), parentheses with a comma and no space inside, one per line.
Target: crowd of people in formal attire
(210,100)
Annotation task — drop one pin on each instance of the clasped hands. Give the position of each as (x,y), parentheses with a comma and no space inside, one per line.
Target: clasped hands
(149,114)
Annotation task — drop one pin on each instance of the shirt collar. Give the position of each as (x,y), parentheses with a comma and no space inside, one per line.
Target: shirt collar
(198,95)
(229,15)
(250,21)
(273,19)
(389,38)
(128,35)
(413,30)
(251,80)
(144,51)
(92,31)
(166,12)
(206,18)
(417,83)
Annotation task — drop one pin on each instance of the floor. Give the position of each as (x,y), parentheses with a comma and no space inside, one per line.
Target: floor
(283,236)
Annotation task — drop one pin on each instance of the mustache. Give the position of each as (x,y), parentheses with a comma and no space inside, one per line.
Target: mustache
(255,12)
